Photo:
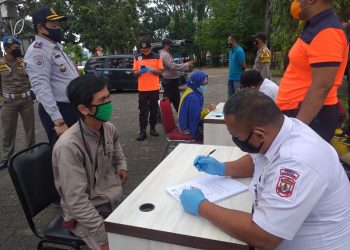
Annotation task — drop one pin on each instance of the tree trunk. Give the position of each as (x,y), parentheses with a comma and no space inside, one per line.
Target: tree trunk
(266,16)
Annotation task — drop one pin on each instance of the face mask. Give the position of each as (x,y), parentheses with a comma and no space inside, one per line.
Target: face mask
(202,88)
(245,146)
(146,52)
(54,35)
(295,9)
(103,111)
(16,52)
(229,45)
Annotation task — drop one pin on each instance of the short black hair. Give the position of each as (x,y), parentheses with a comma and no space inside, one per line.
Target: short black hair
(261,35)
(166,41)
(251,78)
(81,90)
(253,108)
(235,36)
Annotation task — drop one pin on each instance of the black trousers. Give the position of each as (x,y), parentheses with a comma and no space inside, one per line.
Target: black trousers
(70,116)
(148,106)
(324,123)
(171,90)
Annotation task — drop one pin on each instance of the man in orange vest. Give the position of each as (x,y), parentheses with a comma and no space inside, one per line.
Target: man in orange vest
(308,89)
(148,66)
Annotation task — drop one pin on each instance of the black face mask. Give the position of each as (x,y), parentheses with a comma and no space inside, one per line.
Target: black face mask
(16,52)
(54,35)
(245,146)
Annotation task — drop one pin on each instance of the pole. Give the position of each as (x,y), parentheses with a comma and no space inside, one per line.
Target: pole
(11,26)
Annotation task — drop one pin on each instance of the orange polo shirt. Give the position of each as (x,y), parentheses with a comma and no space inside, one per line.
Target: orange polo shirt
(322,43)
(148,81)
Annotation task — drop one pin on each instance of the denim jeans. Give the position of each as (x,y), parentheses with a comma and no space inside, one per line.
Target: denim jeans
(232,87)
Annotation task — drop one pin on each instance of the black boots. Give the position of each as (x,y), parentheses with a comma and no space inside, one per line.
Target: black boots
(142,136)
(153,131)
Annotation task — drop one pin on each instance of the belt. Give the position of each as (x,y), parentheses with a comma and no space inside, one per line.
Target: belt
(16,96)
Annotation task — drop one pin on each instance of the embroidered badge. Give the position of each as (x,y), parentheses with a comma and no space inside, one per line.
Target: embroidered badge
(286,182)
(38,45)
(38,60)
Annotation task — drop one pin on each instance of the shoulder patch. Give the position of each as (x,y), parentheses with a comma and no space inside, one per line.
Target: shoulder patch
(38,45)
(38,60)
(286,183)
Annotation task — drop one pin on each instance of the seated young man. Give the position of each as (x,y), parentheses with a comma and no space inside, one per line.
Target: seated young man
(253,79)
(191,112)
(88,163)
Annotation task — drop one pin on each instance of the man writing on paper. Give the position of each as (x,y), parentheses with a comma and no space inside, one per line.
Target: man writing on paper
(300,190)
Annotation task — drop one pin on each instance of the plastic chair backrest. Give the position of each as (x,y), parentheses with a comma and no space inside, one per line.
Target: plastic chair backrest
(32,177)
(167,115)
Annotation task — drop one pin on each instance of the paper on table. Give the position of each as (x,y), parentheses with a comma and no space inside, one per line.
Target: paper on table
(214,188)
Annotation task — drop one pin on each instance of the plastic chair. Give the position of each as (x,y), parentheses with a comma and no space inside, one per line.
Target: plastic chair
(173,135)
(32,177)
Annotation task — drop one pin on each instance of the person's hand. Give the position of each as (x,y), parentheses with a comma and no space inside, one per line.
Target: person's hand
(60,127)
(191,199)
(142,71)
(211,107)
(209,165)
(190,65)
(149,69)
(105,246)
(123,174)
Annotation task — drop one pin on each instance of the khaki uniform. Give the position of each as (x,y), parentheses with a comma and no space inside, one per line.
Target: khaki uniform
(85,178)
(262,62)
(15,90)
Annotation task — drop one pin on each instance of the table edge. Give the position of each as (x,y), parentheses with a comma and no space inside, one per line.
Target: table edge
(213,121)
(171,238)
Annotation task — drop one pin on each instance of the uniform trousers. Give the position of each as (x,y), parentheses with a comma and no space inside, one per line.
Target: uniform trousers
(148,106)
(324,123)
(70,116)
(171,91)
(9,116)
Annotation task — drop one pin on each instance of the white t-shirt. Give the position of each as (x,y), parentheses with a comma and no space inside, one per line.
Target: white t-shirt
(301,192)
(269,88)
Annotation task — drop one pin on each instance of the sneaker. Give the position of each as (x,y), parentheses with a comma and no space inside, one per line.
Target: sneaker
(3,164)
(142,136)
(153,132)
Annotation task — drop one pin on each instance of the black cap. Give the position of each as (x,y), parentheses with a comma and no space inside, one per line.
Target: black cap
(167,41)
(145,42)
(261,35)
(45,14)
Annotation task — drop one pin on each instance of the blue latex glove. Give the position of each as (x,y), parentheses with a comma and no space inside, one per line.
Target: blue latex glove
(148,69)
(209,165)
(191,199)
(142,71)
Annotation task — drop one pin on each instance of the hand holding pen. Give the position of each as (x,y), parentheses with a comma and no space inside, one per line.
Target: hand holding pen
(208,164)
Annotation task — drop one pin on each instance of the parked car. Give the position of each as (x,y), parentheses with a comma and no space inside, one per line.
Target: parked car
(116,69)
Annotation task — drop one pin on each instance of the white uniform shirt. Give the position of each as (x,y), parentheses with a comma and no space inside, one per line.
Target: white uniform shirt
(301,192)
(269,88)
(50,71)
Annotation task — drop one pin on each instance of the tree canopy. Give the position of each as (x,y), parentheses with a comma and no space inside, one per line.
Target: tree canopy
(117,25)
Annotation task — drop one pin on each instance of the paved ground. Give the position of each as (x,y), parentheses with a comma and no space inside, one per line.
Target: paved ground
(142,158)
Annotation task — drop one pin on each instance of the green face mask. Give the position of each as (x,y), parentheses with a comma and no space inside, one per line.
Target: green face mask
(103,111)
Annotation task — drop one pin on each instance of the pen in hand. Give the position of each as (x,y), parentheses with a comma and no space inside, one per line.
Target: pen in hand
(210,153)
